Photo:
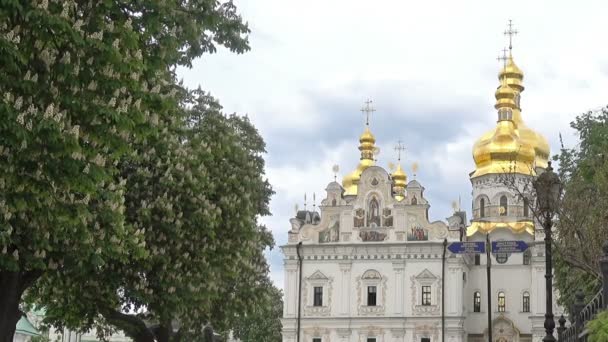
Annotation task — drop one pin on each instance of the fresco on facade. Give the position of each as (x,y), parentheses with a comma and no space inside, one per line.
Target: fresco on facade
(359,219)
(373,213)
(387,218)
(417,234)
(332,233)
(372,235)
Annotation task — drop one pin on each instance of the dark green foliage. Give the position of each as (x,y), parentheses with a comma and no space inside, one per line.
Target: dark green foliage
(583,219)
(262,322)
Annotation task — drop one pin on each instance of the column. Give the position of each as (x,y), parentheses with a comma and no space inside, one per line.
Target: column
(398,274)
(291,289)
(345,288)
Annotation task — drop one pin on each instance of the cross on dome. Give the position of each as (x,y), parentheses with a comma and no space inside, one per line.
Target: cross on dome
(399,147)
(503,58)
(510,32)
(367,109)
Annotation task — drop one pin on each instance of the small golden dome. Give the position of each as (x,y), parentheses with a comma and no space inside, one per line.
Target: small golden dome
(367,136)
(505,96)
(513,74)
(366,146)
(399,182)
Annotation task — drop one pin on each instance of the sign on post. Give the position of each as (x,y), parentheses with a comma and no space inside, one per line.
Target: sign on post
(517,246)
(467,247)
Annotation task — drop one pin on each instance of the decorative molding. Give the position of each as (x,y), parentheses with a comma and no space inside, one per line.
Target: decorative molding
(425,278)
(317,279)
(372,278)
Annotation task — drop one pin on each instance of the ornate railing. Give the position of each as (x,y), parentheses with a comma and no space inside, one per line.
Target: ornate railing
(582,313)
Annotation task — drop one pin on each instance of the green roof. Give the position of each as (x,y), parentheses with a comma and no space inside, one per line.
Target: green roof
(25,327)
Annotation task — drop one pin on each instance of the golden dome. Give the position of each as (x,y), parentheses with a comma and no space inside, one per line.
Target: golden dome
(513,74)
(505,96)
(399,182)
(367,147)
(510,147)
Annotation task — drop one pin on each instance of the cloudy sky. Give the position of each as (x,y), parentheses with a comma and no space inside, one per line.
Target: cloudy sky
(429,66)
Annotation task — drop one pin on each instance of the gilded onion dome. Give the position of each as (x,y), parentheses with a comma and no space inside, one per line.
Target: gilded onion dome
(484,153)
(399,183)
(366,146)
(514,77)
(502,149)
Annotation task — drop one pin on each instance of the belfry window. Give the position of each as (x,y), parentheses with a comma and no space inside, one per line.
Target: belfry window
(477,302)
(526,302)
(482,207)
(503,206)
(502,302)
(526,207)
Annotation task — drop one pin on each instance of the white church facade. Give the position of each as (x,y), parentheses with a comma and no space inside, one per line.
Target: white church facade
(371,266)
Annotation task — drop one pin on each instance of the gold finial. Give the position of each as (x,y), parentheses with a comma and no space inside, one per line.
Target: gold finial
(335,169)
(367,110)
(399,147)
(314,202)
(414,169)
(503,58)
(304,201)
(510,32)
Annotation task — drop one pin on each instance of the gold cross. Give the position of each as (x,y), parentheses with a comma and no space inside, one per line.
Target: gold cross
(510,32)
(399,148)
(503,58)
(367,109)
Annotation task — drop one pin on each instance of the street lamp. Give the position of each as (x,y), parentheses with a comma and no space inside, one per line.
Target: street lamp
(548,191)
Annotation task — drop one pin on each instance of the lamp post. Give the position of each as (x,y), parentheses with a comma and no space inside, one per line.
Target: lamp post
(548,190)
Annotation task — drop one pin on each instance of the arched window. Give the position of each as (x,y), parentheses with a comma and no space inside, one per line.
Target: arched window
(526,207)
(527,257)
(526,302)
(502,302)
(482,207)
(503,206)
(477,302)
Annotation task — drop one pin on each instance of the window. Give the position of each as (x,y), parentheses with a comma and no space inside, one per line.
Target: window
(371,296)
(316,339)
(501,302)
(503,206)
(477,259)
(526,207)
(477,302)
(318,296)
(526,302)
(371,339)
(426,295)
(482,207)
(527,257)
(425,339)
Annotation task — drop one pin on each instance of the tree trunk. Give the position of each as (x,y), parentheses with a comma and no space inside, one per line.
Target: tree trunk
(133,326)
(10,296)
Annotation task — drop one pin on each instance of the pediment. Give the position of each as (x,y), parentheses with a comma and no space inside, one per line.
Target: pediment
(371,274)
(318,275)
(426,275)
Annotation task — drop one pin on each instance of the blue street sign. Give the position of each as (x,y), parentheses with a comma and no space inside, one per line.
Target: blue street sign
(517,246)
(469,247)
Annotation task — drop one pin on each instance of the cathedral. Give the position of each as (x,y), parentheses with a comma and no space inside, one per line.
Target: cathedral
(371,266)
